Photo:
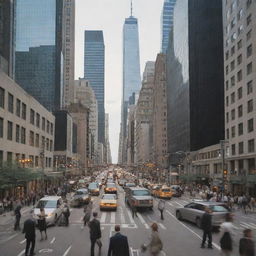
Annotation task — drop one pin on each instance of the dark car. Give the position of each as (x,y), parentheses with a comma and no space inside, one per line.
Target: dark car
(80,198)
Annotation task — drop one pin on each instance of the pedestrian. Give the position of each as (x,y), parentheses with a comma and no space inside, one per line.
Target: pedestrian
(87,212)
(227,230)
(161,207)
(206,225)
(134,210)
(29,230)
(95,233)
(154,244)
(66,213)
(17,214)
(246,244)
(42,223)
(118,245)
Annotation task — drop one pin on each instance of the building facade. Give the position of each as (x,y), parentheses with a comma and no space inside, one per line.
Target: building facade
(94,72)
(38,50)
(160,112)
(166,23)
(239,22)
(131,78)
(26,128)
(108,158)
(195,93)
(68,49)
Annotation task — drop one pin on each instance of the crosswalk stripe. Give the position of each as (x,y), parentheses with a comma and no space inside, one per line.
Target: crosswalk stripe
(21,253)
(122,215)
(178,203)
(170,204)
(130,217)
(186,202)
(23,241)
(162,226)
(103,217)
(142,220)
(254,225)
(112,217)
(244,226)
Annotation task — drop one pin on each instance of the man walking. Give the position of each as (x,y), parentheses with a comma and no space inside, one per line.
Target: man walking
(118,245)
(161,206)
(30,234)
(17,217)
(95,233)
(206,225)
(246,244)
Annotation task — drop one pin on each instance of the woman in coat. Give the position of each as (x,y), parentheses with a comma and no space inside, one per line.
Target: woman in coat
(87,212)
(154,244)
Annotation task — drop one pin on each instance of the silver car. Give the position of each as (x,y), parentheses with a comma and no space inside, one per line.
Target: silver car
(194,211)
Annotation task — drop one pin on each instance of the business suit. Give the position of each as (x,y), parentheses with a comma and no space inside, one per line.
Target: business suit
(206,224)
(30,235)
(118,245)
(246,247)
(95,233)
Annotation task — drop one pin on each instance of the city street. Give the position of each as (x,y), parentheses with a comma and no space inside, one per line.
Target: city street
(178,237)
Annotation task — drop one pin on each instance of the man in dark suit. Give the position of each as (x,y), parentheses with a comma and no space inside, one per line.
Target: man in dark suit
(206,225)
(246,244)
(30,235)
(118,245)
(95,233)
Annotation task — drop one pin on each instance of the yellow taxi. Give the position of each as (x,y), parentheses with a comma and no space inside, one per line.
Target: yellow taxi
(110,188)
(165,192)
(155,189)
(108,202)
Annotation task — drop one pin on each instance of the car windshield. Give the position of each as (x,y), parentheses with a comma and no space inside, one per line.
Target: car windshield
(93,186)
(141,193)
(130,185)
(80,192)
(218,208)
(109,197)
(166,190)
(111,185)
(46,204)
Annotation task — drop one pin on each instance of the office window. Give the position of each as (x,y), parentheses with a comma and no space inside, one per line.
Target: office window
(227,117)
(37,140)
(251,146)
(227,55)
(32,116)
(227,101)
(232,81)
(47,144)
(232,50)
(240,29)
(9,130)
(36,161)
(37,120)
(233,114)
(240,14)
(239,44)
(249,87)
(23,135)
(226,69)
(51,144)
(232,65)
(233,131)
(233,37)
(24,111)
(233,97)
(249,35)
(250,125)
(240,93)
(48,127)
(31,138)
(240,111)
(227,85)
(17,133)
(1,127)
(239,75)
(240,129)
(249,50)
(227,133)
(249,19)
(249,106)
(43,142)
(51,128)
(240,147)
(249,68)
(239,59)
(2,95)
(233,149)
(43,123)
(18,107)
(10,102)
(9,157)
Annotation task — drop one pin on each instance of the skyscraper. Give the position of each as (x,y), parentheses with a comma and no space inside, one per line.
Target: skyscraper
(166,22)
(131,75)
(38,56)
(94,71)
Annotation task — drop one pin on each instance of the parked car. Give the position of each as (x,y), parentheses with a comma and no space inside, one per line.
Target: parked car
(108,202)
(80,198)
(139,198)
(94,189)
(53,206)
(194,211)
(110,188)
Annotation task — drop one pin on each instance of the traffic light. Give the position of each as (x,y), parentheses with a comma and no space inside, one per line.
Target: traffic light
(225,173)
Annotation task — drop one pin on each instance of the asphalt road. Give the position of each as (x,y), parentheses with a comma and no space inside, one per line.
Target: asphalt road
(179,238)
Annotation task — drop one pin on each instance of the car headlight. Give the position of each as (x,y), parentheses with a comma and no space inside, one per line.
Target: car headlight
(49,215)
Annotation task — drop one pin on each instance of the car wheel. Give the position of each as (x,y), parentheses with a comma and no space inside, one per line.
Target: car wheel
(178,215)
(198,222)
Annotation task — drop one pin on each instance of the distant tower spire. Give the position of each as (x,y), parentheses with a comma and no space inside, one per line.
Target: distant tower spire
(131,8)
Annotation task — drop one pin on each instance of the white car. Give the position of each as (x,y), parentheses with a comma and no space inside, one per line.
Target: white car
(52,205)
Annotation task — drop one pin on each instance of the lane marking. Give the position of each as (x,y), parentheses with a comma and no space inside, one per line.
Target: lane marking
(245,226)
(254,225)
(112,217)
(67,251)
(186,202)
(178,203)
(21,253)
(193,232)
(111,231)
(103,217)
(23,241)
(53,240)
(130,216)
(162,226)
(159,223)
(134,252)
(8,238)
(122,215)
(170,204)
(142,220)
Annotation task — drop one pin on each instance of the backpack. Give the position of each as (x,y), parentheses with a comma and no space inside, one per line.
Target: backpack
(226,242)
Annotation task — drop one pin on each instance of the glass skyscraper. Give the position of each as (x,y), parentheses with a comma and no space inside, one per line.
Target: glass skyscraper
(38,58)
(94,71)
(166,23)
(131,76)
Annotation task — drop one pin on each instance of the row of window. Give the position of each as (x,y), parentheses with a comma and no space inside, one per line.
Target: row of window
(235,4)
(20,136)
(240,129)
(21,111)
(239,149)
(239,111)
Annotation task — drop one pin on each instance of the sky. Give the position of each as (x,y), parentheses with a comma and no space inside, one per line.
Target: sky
(109,16)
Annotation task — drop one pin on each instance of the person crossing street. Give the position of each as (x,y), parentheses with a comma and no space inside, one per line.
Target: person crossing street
(161,207)
(206,225)
(30,234)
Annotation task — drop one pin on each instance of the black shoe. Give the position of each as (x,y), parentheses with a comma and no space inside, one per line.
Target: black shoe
(210,247)
(202,246)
